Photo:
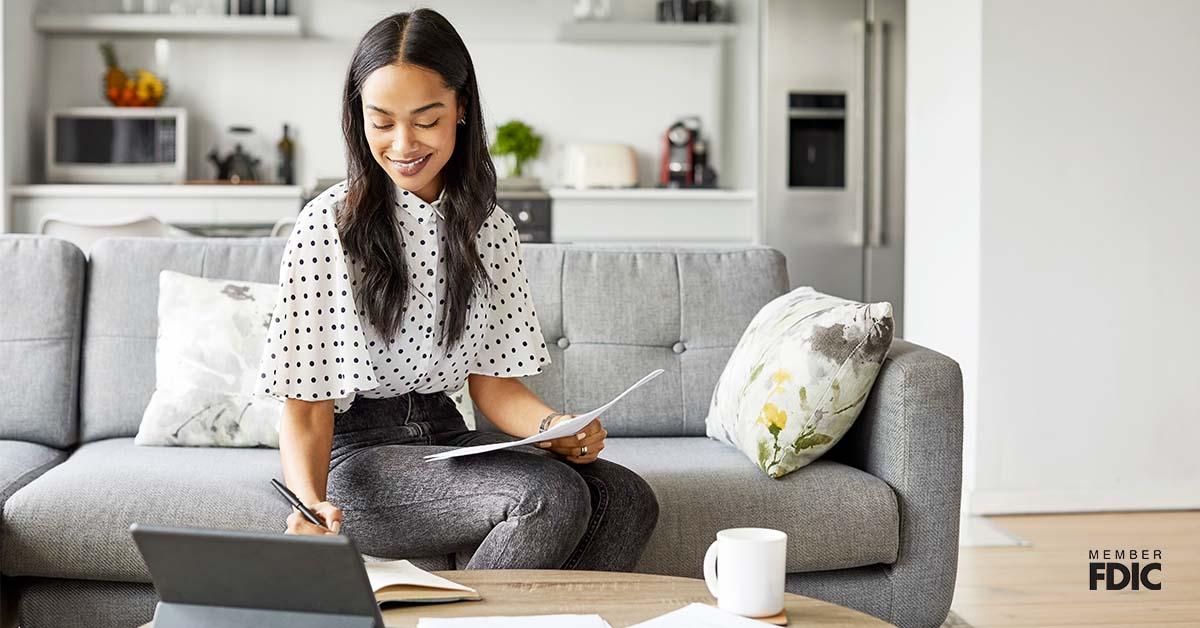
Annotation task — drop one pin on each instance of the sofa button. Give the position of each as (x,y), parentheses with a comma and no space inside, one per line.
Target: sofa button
(563,343)
(678,347)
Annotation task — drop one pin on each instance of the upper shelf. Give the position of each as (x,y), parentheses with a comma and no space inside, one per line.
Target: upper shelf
(599,31)
(153,25)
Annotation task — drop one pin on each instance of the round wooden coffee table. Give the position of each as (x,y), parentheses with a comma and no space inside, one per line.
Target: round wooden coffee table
(622,599)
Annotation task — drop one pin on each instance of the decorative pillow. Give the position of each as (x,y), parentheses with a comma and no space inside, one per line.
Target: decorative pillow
(211,334)
(462,401)
(799,377)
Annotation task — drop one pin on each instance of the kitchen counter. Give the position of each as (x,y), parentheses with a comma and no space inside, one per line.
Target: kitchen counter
(171,190)
(653,194)
(670,215)
(213,204)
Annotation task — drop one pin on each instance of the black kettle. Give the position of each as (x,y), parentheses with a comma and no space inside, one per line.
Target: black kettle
(237,166)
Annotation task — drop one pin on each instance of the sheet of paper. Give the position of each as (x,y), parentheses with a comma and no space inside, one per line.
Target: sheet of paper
(531,621)
(387,573)
(566,428)
(699,616)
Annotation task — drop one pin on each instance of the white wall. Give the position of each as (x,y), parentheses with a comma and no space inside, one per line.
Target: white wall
(4,178)
(23,101)
(567,92)
(1087,249)
(739,167)
(941,266)
(1089,259)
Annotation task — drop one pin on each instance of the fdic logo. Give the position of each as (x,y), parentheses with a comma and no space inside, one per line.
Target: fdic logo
(1132,570)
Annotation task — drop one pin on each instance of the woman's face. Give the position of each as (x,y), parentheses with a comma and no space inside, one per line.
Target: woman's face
(410,118)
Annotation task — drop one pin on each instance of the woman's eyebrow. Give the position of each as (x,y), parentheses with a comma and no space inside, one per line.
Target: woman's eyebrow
(432,105)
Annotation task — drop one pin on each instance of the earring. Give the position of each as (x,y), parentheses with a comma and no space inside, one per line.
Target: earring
(462,120)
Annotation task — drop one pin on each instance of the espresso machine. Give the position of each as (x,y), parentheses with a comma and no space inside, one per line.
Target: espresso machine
(685,157)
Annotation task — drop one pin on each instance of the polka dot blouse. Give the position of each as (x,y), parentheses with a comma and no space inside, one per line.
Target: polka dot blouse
(320,344)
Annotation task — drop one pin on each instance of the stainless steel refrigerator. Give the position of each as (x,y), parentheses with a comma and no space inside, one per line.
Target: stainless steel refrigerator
(833,144)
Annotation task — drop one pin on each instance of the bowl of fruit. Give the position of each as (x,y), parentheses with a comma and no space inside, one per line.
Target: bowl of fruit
(136,88)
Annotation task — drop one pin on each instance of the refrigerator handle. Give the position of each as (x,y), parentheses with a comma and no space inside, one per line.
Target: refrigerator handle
(877,149)
(859,181)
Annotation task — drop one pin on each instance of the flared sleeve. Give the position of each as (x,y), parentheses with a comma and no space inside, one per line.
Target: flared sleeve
(512,345)
(315,347)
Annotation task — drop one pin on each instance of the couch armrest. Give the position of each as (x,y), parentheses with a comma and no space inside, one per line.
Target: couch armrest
(909,434)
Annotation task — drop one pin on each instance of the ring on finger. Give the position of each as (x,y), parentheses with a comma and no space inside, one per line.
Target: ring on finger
(583,451)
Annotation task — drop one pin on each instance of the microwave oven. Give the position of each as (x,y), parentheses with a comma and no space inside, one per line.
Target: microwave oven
(116,145)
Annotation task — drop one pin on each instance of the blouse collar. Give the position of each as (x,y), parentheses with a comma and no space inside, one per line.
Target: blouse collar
(411,203)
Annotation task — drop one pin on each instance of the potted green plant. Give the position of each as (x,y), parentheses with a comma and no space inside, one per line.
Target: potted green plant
(517,141)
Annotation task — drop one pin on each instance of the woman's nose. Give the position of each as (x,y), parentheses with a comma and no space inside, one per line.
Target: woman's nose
(402,140)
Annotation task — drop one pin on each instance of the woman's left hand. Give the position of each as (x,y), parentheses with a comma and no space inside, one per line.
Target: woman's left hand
(582,447)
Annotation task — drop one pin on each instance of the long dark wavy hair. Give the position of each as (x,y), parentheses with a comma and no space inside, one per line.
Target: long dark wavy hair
(368,224)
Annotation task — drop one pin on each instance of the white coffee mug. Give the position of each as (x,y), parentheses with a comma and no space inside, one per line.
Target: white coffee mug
(752,564)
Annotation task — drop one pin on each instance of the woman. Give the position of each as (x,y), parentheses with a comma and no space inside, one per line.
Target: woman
(398,285)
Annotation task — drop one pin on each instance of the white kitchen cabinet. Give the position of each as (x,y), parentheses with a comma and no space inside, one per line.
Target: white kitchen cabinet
(675,216)
(632,215)
(178,204)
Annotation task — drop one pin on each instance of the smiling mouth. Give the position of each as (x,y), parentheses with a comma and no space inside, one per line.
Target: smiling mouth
(411,167)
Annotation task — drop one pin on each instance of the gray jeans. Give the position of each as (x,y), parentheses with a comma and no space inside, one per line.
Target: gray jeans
(519,508)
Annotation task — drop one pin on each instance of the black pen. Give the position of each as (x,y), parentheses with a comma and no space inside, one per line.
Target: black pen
(295,502)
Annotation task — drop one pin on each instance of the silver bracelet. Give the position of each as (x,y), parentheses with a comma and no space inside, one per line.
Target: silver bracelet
(545,424)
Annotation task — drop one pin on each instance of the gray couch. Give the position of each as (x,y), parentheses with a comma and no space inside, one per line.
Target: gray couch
(872,525)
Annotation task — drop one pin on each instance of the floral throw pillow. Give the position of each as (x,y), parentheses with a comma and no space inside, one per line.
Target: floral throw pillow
(798,378)
(211,333)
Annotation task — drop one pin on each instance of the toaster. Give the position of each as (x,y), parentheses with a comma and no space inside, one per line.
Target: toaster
(599,166)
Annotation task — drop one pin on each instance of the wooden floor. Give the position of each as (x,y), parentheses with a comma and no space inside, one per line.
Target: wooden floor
(1046,585)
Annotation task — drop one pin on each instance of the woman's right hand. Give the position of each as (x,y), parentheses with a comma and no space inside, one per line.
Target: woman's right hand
(327,512)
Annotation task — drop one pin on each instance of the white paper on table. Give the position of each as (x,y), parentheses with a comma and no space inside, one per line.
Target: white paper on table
(566,428)
(531,621)
(699,616)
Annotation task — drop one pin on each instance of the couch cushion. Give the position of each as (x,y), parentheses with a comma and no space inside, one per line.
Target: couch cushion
(73,521)
(20,463)
(835,516)
(643,307)
(40,326)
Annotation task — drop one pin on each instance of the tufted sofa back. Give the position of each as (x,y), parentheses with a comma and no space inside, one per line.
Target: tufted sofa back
(612,314)
(609,315)
(41,308)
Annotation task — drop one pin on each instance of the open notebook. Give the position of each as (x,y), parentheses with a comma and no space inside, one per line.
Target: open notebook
(401,582)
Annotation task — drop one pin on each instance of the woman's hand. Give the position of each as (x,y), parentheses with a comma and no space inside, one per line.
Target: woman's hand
(573,447)
(327,512)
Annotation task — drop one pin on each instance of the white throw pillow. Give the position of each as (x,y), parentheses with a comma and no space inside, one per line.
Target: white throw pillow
(462,401)
(798,378)
(211,334)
